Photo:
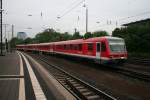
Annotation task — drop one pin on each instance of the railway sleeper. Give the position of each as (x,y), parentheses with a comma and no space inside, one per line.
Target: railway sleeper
(71,80)
(76,84)
(87,93)
(93,97)
(80,87)
(60,75)
(61,79)
(82,90)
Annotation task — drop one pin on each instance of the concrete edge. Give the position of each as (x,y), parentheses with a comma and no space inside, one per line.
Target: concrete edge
(57,89)
(39,94)
(21,83)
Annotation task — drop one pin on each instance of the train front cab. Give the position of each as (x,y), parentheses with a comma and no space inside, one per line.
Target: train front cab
(101,52)
(116,50)
(110,50)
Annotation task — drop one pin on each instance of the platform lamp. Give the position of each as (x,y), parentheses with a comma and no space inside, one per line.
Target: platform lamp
(1,12)
(86,7)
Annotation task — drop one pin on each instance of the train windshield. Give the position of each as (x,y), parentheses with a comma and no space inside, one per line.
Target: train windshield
(117,45)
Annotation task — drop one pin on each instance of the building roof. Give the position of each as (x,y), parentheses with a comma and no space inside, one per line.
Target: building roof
(141,22)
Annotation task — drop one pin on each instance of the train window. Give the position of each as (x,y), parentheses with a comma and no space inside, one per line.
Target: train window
(98,47)
(68,47)
(59,46)
(71,47)
(75,47)
(103,46)
(64,47)
(90,46)
(79,47)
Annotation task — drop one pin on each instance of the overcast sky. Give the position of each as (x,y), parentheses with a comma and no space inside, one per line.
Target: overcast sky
(110,14)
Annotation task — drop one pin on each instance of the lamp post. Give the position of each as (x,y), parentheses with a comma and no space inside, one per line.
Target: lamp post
(1,12)
(7,37)
(86,17)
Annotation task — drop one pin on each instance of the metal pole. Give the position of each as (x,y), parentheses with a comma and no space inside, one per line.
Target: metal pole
(75,30)
(5,39)
(10,47)
(12,31)
(1,31)
(86,19)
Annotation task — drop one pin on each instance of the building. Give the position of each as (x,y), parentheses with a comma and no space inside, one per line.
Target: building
(144,22)
(21,35)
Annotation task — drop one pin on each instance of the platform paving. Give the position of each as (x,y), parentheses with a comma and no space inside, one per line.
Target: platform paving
(23,78)
(9,76)
(9,64)
(9,89)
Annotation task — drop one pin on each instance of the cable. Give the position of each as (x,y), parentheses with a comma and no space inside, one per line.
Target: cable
(140,14)
(70,5)
(58,17)
(71,9)
(144,13)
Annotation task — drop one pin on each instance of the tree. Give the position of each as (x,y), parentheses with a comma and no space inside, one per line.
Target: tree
(14,41)
(76,35)
(88,35)
(28,40)
(65,36)
(100,33)
(48,35)
(137,37)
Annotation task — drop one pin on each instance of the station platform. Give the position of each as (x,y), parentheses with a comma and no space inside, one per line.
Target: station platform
(9,76)
(23,78)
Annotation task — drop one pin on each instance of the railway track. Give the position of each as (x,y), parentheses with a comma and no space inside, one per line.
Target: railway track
(135,74)
(144,76)
(141,61)
(80,89)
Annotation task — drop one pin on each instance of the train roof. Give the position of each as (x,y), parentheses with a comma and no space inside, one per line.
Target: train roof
(43,43)
(95,39)
(77,41)
(110,37)
(35,44)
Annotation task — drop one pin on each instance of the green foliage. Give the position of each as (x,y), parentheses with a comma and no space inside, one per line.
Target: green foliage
(137,38)
(76,36)
(50,35)
(65,36)
(95,34)
(28,40)
(15,41)
(100,33)
(88,35)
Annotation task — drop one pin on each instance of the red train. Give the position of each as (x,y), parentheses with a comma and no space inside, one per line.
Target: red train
(100,49)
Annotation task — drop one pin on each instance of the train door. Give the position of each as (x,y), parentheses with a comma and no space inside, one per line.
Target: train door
(97,50)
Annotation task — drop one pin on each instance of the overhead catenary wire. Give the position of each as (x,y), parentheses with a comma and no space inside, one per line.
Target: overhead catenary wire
(68,11)
(116,22)
(71,6)
(140,14)
(73,3)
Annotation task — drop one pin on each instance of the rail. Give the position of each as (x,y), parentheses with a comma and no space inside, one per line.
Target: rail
(133,73)
(79,88)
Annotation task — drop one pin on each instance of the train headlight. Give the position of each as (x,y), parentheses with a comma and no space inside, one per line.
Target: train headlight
(122,57)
